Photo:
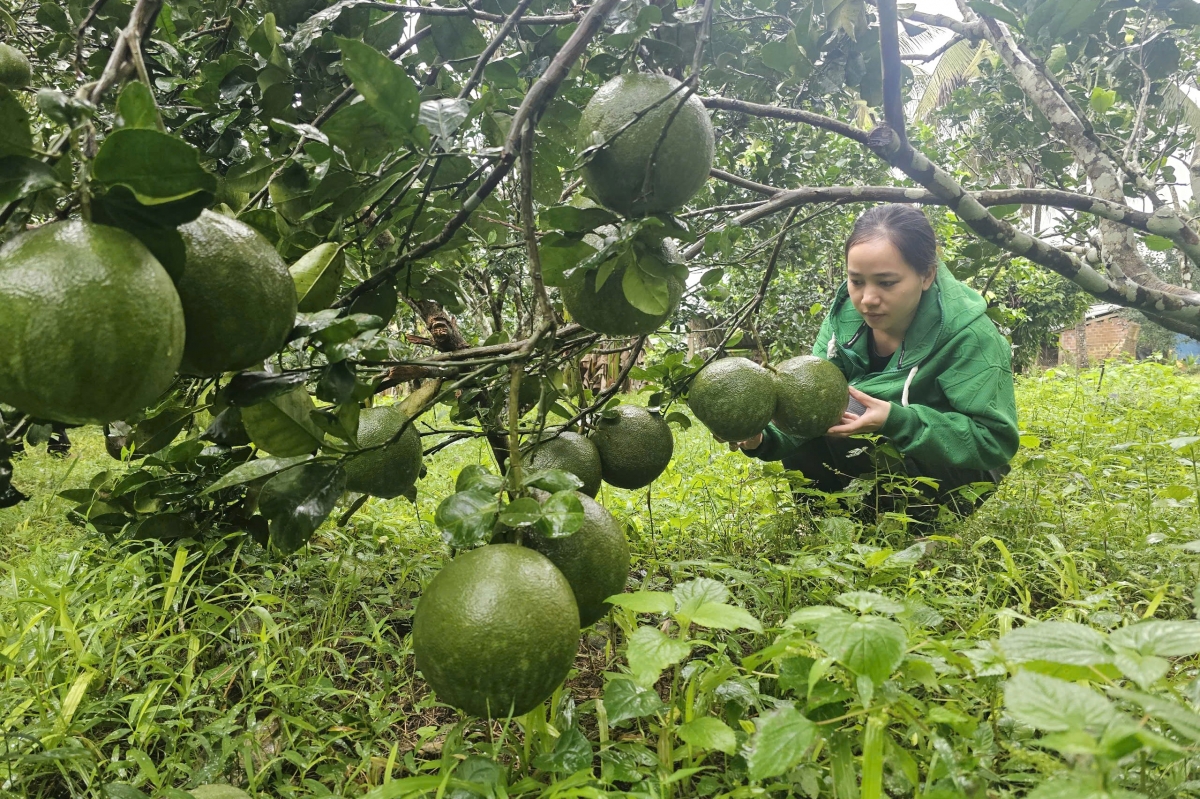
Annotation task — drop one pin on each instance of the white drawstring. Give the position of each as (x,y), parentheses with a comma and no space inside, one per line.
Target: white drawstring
(831,349)
(907,383)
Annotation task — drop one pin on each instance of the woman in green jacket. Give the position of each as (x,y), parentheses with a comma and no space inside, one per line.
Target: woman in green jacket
(928,372)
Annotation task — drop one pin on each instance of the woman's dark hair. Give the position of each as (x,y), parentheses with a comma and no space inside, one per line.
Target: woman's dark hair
(906,228)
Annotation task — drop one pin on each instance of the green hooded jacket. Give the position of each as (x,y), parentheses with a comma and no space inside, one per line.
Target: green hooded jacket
(950,382)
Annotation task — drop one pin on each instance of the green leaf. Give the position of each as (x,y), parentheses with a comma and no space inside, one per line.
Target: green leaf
(123,790)
(15,138)
(21,176)
(1145,670)
(708,733)
(561,515)
(692,594)
(575,220)
(154,225)
(646,292)
(651,651)
(467,517)
(719,616)
(655,602)
(252,470)
(868,646)
(136,107)
(554,480)
(318,276)
(251,388)
(444,117)
(218,791)
(282,425)
(384,85)
(1157,243)
(1161,638)
(560,255)
(477,476)
(781,55)
(572,753)
(155,166)
(1102,99)
(870,602)
(625,699)
(521,512)
(1078,787)
(780,740)
(1053,705)
(297,501)
(986,9)
(1062,642)
(455,37)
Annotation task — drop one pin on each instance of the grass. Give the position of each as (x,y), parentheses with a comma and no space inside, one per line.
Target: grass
(149,670)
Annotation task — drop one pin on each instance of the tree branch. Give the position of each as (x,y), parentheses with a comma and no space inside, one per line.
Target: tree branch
(1159,223)
(889,44)
(1180,313)
(788,114)
(486,56)
(439,11)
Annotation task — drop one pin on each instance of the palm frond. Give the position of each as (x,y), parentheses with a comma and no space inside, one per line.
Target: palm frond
(956,66)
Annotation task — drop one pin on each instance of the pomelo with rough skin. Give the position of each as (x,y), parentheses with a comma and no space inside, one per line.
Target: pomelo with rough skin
(91,327)
(391,470)
(594,559)
(238,297)
(572,453)
(811,396)
(496,630)
(678,163)
(733,397)
(635,447)
(608,310)
(15,72)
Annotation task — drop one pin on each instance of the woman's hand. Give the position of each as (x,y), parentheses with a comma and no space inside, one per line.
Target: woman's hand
(871,419)
(749,443)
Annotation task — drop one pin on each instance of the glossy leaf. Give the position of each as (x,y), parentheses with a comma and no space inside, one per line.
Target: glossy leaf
(297,501)
(155,166)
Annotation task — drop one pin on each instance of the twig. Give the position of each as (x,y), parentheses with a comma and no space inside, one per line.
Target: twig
(535,259)
(81,30)
(486,56)
(440,11)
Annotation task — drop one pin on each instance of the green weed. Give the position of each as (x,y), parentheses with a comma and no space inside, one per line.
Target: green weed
(1044,647)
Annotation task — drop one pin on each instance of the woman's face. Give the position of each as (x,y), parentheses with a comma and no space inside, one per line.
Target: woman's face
(884,288)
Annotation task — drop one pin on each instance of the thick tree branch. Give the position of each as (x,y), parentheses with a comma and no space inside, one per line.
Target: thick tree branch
(889,44)
(535,102)
(1180,313)
(967,30)
(1160,223)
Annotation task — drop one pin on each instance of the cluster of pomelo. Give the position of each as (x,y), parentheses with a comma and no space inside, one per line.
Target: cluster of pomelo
(95,328)
(736,398)
(496,631)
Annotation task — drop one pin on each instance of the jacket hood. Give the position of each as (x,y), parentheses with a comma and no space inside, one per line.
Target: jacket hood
(946,309)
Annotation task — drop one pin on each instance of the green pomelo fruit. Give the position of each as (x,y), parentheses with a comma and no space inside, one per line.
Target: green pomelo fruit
(318,277)
(390,471)
(496,630)
(594,559)
(734,398)
(238,296)
(91,328)
(635,447)
(608,310)
(681,160)
(810,396)
(572,453)
(15,72)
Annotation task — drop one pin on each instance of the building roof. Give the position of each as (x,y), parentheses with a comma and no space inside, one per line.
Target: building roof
(1102,309)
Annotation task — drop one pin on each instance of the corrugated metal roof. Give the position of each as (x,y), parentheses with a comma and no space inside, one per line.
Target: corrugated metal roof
(1101,309)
